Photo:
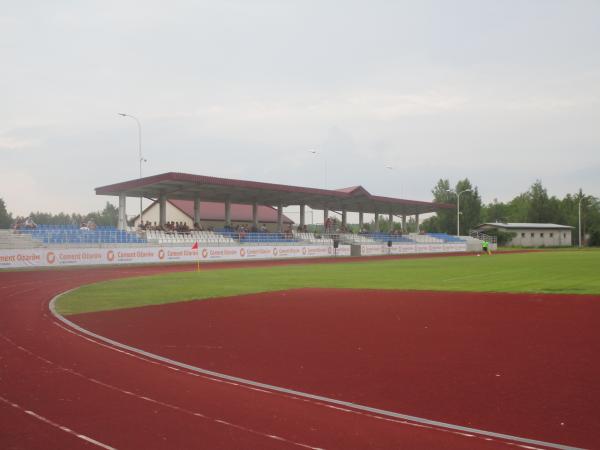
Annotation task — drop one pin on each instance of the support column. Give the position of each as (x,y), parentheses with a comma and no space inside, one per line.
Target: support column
(302,215)
(227,213)
(391,220)
(376,222)
(162,210)
(255,215)
(197,210)
(417,220)
(279,218)
(360,221)
(344,216)
(325,216)
(403,223)
(122,222)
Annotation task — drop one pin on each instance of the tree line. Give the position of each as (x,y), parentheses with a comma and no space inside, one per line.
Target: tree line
(531,206)
(107,217)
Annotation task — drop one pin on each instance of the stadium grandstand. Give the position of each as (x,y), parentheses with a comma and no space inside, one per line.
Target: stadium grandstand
(232,219)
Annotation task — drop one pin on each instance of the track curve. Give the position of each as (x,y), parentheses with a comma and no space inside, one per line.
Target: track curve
(61,390)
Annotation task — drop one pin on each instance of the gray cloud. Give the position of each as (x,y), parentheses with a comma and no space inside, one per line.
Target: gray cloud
(503,93)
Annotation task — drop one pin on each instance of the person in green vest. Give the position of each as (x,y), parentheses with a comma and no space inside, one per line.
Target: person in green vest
(486,247)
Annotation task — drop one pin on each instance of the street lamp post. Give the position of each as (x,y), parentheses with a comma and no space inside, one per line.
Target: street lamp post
(458,208)
(391,168)
(316,153)
(141,159)
(580,198)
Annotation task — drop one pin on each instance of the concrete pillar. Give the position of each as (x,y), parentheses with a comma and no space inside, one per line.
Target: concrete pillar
(360,220)
(279,218)
(391,220)
(344,215)
(417,220)
(228,212)
(302,215)
(122,222)
(376,222)
(325,215)
(255,215)
(197,210)
(162,210)
(403,222)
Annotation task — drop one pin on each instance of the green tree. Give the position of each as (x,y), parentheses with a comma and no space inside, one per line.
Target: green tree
(540,206)
(495,212)
(470,206)
(6,218)
(446,218)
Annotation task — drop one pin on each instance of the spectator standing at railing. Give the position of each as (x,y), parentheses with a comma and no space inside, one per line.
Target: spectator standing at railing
(263,228)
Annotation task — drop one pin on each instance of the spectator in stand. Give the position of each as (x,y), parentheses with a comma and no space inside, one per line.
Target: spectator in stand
(263,228)
(84,227)
(18,224)
(30,224)
(91,225)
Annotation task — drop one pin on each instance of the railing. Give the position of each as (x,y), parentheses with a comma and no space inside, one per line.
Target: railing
(378,238)
(484,237)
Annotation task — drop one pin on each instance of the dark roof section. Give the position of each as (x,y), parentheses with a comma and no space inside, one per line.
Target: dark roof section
(183,186)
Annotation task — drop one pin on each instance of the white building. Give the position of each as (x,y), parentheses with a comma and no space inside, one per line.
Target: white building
(533,234)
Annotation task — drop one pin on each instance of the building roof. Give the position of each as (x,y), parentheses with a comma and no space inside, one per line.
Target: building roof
(183,186)
(239,213)
(519,225)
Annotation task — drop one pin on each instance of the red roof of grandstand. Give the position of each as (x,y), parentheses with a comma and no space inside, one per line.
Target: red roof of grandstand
(239,213)
(183,186)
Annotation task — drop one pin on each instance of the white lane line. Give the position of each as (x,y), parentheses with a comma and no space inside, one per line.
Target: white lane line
(438,425)
(158,402)
(56,425)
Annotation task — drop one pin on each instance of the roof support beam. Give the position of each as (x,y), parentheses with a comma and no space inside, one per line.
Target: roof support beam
(122,222)
(279,218)
(162,209)
(255,215)
(197,210)
(228,212)
(302,215)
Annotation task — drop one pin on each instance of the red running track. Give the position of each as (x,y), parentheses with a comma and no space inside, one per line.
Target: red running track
(61,390)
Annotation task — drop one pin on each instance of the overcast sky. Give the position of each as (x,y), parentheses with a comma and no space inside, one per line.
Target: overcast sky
(501,92)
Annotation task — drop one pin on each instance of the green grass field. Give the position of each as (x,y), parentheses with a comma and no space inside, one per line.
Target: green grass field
(575,272)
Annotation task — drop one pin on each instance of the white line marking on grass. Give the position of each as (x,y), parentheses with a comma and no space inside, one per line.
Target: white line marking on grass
(356,408)
(56,425)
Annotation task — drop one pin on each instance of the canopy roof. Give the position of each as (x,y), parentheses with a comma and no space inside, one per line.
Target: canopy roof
(519,225)
(183,186)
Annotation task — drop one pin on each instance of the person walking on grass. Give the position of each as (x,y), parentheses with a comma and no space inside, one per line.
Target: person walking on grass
(486,247)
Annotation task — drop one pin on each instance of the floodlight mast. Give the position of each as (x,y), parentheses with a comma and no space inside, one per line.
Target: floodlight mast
(140,157)
(317,153)
(580,198)
(458,207)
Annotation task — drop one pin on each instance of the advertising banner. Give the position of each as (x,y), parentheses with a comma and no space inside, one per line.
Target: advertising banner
(11,259)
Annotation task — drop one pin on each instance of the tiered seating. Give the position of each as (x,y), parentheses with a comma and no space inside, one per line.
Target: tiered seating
(202,237)
(446,237)
(383,237)
(258,238)
(312,238)
(71,234)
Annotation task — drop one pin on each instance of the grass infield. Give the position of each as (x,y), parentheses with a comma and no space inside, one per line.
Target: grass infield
(575,272)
